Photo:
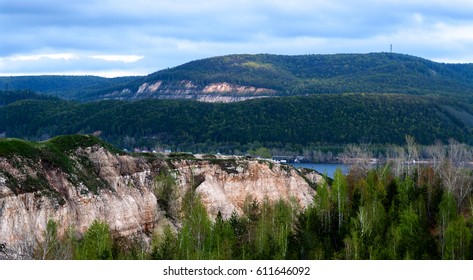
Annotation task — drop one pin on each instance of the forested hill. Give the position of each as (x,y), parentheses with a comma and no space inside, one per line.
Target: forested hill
(273,122)
(68,87)
(269,75)
(340,73)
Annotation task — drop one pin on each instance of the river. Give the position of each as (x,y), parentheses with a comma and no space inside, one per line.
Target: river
(324,168)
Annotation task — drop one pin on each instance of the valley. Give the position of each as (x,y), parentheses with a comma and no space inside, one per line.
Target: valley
(97,168)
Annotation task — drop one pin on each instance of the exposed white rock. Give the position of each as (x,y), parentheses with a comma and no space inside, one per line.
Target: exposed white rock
(147,88)
(230,88)
(130,206)
(226,189)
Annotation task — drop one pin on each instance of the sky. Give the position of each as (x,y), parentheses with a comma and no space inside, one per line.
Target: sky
(121,37)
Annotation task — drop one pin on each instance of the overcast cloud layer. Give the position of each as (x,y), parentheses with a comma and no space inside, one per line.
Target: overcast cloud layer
(114,38)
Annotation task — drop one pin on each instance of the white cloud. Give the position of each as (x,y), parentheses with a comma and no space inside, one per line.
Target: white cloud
(118,58)
(73,64)
(51,36)
(58,56)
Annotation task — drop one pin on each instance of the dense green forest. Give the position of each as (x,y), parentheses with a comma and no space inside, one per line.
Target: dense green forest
(400,210)
(287,75)
(68,87)
(339,73)
(390,212)
(394,211)
(285,122)
(8,97)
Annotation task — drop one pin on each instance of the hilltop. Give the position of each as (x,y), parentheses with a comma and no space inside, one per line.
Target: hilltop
(239,77)
(315,100)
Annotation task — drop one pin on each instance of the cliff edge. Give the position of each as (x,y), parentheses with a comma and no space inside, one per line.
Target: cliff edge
(78,179)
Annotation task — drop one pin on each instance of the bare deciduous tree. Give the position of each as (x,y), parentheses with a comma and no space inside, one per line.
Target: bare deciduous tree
(396,156)
(437,154)
(359,158)
(412,154)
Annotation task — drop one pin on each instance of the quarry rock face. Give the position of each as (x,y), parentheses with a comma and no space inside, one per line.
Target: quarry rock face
(127,200)
(225,187)
(185,89)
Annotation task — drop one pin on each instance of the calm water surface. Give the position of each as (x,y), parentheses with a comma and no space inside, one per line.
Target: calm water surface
(324,168)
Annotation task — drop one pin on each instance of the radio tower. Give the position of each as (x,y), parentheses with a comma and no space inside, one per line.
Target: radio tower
(391,48)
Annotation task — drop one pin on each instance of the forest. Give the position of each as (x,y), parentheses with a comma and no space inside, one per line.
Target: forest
(400,209)
(284,123)
(315,74)
(392,211)
(287,75)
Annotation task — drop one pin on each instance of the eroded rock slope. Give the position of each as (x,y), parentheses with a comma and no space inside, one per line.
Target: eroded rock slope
(76,180)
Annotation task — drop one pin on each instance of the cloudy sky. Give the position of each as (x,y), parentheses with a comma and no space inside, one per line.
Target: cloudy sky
(137,37)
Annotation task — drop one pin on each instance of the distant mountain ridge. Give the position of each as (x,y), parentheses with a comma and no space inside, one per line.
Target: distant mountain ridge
(241,77)
(67,87)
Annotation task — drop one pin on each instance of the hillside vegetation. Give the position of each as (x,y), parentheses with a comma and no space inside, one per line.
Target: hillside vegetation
(8,97)
(285,75)
(315,100)
(388,213)
(395,211)
(54,153)
(340,73)
(68,87)
(273,122)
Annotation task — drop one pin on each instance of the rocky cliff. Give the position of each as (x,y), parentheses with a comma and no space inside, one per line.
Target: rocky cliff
(76,180)
(185,89)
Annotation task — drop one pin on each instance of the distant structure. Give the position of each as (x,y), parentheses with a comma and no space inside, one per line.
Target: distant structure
(391,48)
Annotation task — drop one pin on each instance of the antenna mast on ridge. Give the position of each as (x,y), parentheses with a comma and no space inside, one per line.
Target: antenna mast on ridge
(391,48)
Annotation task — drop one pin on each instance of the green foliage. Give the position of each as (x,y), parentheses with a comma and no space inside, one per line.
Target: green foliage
(166,192)
(282,123)
(340,198)
(286,75)
(181,156)
(8,97)
(262,152)
(388,220)
(49,248)
(194,236)
(375,72)
(96,243)
(129,248)
(54,153)
(62,86)
(166,246)
(409,232)
(223,239)
(55,247)
(66,143)
(457,240)
(447,213)
(17,147)
(314,74)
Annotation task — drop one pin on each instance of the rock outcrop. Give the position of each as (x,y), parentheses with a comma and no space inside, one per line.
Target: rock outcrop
(185,89)
(225,186)
(95,183)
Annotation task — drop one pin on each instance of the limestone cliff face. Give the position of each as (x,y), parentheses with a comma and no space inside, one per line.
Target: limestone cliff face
(33,192)
(128,205)
(224,187)
(185,89)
